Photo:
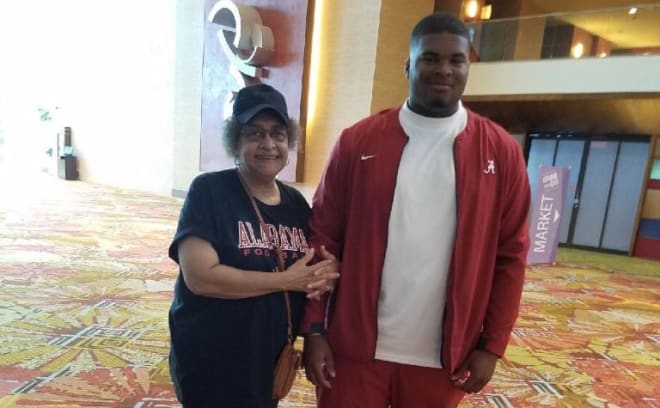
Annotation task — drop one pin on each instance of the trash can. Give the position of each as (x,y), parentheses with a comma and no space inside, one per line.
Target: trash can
(67,167)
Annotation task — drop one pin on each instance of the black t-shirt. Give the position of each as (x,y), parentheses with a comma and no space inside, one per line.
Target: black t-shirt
(223,351)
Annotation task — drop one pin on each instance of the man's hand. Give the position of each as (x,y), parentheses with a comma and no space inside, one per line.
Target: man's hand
(319,362)
(475,372)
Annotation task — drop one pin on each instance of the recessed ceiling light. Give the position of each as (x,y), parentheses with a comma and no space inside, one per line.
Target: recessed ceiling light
(632,10)
(471,8)
(578,50)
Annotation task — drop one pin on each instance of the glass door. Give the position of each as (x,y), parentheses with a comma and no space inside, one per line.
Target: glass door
(605,180)
(624,196)
(569,154)
(593,191)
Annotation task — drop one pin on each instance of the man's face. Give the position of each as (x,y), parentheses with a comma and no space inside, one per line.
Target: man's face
(437,72)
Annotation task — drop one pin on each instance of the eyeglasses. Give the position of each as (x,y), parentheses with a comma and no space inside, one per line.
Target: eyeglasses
(257,133)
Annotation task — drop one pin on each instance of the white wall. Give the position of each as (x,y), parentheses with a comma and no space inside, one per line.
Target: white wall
(188,94)
(622,74)
(109,67)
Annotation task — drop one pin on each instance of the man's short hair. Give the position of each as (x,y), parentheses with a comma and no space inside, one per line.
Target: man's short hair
(438,23)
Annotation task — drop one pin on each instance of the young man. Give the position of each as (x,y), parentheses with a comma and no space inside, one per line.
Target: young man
(426,207)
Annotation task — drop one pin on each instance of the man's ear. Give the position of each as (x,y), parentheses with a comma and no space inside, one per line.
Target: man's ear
(406,68)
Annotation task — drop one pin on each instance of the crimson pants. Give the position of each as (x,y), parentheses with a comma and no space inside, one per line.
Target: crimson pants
(383,384)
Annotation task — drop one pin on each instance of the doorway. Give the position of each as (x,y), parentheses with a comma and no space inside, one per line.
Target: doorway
(605,179)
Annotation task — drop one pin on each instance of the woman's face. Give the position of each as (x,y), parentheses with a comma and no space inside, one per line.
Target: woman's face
(263,146)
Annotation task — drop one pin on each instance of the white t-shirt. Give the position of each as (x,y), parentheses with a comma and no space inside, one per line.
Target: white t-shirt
(420,243)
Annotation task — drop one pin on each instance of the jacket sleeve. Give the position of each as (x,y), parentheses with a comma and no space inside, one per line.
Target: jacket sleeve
(513,243)
(327,225)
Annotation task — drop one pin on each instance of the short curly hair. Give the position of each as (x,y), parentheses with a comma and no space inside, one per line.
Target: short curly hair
(438,23)
(231,135)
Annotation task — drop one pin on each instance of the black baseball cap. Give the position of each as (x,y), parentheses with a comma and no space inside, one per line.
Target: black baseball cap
(254,99)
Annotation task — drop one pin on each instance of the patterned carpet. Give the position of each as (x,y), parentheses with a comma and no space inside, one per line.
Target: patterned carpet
(85,286)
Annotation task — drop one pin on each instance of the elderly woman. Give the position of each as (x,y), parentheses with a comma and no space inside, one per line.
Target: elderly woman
(228,320)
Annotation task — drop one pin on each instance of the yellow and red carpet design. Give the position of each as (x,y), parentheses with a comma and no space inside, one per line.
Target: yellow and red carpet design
(85,285)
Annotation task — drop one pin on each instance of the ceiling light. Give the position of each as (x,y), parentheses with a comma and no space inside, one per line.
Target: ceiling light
(632,10)
(578,50)
(486,12)
(471,8)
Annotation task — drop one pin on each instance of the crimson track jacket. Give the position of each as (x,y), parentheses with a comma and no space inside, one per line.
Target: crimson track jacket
(350,216)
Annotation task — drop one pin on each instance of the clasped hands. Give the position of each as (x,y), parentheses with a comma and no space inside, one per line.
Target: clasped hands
(313,279)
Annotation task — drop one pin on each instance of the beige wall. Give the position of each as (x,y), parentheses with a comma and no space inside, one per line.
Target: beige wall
(529,37)
(450,6)
(652,205)
(361,69)
(344,77)
(390,87)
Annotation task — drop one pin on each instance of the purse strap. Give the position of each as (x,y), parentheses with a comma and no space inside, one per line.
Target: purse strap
(276,249)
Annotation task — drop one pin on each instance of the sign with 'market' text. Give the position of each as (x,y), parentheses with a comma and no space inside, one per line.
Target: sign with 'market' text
(546,214)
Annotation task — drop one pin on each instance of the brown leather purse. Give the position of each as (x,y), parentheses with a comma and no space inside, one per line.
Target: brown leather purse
(288,364)
(290,359)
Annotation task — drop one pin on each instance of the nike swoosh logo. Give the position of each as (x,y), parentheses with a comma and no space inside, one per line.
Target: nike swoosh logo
(367,156)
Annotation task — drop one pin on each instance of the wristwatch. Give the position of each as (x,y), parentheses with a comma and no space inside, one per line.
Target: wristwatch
(316,329)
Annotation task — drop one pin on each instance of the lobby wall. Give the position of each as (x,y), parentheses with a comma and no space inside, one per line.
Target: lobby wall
(359,70)
(189,50)
(390,87)
(108,69)
(345,65)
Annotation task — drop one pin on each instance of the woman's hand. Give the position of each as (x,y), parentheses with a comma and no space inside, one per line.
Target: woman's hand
(205,275)
(326,285)
(313,279)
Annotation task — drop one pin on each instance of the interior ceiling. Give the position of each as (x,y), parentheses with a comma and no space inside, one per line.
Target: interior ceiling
(594,115)
(617,26)
(559,6)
